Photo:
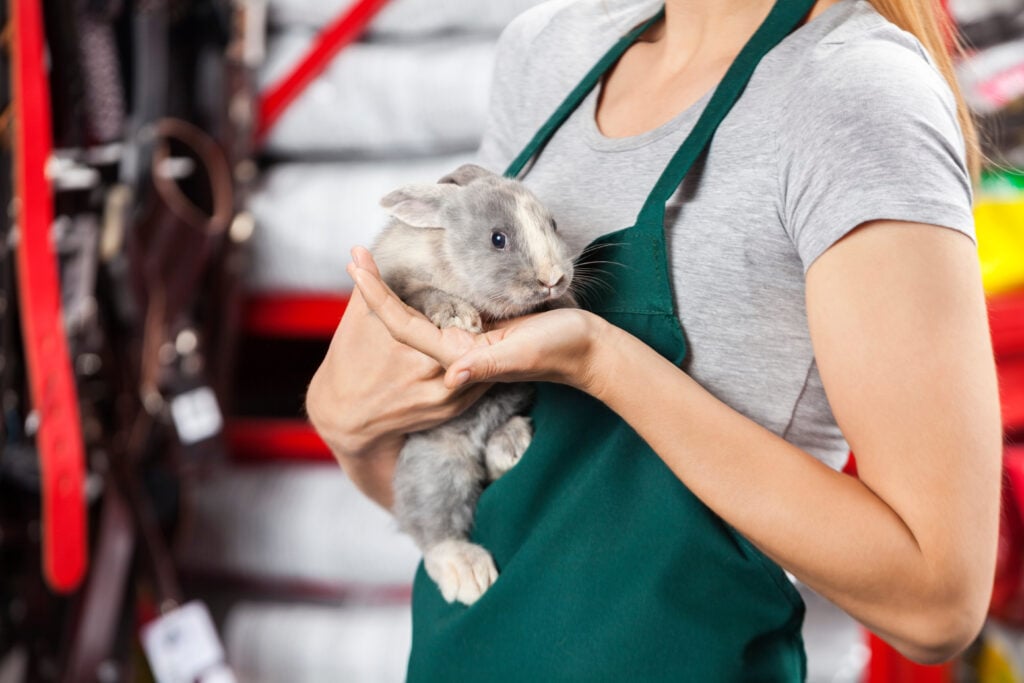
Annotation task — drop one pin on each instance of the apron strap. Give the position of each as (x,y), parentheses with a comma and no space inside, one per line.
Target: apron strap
(577,96)
(783,19)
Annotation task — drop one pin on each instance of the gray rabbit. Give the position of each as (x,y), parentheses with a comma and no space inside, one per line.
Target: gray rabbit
(472,248)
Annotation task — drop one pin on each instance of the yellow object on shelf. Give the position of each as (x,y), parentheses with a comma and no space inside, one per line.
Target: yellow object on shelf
(1000,229)
(999,222)
(997,660)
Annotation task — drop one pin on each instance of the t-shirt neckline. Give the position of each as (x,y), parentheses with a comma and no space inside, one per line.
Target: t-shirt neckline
(601,142)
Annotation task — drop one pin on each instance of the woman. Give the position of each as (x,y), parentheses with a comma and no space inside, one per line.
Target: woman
(801,279)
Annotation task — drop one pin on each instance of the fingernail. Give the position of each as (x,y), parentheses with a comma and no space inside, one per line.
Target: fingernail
(461,378)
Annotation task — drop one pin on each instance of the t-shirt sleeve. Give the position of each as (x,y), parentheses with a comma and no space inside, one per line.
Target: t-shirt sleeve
(870,133)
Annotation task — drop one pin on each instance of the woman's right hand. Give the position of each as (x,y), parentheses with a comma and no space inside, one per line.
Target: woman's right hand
(370,391)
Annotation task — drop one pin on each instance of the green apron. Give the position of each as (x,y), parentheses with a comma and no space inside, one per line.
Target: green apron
(610,568)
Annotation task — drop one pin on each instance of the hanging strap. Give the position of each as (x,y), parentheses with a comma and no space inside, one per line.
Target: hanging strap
(50,375)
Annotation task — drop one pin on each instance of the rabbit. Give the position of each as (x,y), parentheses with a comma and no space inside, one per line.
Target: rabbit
(473,248)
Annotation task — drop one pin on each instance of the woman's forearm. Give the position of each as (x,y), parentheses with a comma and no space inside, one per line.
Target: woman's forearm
(373,470)
(369,464)
(826,528)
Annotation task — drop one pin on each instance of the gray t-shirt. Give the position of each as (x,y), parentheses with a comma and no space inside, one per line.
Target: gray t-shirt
(846,120)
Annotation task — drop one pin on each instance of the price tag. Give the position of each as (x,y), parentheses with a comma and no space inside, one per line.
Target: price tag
(196,415)
(182,647)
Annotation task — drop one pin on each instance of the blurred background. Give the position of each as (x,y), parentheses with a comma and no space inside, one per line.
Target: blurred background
(184,179)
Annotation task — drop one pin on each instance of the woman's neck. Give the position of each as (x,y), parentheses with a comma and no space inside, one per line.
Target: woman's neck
(677,61)
(697,32)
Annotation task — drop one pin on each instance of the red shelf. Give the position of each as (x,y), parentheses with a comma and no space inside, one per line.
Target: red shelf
(1006,318)
(889,666)
(1011,392)
(275,441)
(305,316)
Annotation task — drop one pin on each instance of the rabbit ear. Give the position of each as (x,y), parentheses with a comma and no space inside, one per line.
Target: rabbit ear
(417,205)
(464,174)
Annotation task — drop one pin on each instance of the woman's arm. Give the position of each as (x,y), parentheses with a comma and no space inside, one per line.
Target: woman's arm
(897,318)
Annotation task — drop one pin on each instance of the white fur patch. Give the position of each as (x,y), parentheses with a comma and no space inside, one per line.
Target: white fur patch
(543,249)
(462,570)
(506,445)
(457,313)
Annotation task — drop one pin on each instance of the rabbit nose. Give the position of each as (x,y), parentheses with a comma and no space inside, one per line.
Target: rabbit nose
(552,280)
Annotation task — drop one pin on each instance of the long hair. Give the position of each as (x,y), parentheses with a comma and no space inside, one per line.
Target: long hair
(933,26)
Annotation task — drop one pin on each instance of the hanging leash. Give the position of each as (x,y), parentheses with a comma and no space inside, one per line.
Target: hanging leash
(51,381)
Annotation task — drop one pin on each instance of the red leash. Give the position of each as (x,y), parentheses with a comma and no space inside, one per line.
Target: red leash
(52,386)
(334,37)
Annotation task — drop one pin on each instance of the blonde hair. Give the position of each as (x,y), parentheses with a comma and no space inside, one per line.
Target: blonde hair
(936,30)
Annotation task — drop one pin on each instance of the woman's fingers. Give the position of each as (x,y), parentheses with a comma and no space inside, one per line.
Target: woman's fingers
(488,360)
(405,324)
(475,365)
(362,258)
(550,346)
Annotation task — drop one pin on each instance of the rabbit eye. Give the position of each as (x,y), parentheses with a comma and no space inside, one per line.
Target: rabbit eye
(499,240)
(554,225)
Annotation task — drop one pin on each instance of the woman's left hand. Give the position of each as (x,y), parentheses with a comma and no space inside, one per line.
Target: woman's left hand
(554,346)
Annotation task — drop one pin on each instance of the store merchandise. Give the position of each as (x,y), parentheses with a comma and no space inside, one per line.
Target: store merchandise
(364,643)
(987,22)
(998,656)
(999,222)
(991,76)
(406,17)
(310,215)
(294,524)
(373,100)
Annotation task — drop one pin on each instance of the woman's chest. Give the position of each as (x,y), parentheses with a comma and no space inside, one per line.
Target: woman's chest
(724,219)
(736,279)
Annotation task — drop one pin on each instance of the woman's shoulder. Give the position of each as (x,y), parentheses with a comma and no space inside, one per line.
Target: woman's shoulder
(867,129)
(857,57)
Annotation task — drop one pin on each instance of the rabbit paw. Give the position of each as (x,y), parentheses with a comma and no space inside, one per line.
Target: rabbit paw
(462,570)
(506,445)
(456,313)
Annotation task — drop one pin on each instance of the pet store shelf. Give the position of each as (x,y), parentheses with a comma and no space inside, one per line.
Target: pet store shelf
(1011,393)
(1006,318)
(306,316)
(275,440)
(888,666)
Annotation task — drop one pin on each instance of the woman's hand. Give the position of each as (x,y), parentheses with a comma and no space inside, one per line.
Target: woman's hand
(555,346)
(370,391)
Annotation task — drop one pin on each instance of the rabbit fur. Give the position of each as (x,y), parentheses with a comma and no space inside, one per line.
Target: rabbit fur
(472,248)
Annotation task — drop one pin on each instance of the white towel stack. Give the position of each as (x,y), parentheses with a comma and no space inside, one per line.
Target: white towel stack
(311,214)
